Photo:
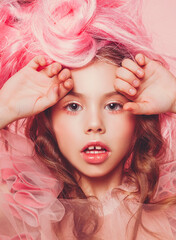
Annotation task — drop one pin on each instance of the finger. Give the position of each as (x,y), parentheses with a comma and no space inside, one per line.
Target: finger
(133,67)
(143,108)
(55,93)
(36,62)
(124,87)
(141,59)
(52,69)
(68,84)
(127,76)
(64,74)
(65,87)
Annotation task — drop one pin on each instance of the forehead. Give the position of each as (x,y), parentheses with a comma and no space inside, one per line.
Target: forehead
(96,77)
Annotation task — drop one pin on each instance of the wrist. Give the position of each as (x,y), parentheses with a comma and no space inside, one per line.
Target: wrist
(6,116)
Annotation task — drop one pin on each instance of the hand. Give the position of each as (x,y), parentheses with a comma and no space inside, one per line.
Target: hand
(148,84)
(31,90)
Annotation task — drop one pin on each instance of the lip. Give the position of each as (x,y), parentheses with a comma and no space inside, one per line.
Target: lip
(95,158)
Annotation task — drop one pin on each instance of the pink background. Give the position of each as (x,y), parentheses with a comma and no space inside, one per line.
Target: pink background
(159,17)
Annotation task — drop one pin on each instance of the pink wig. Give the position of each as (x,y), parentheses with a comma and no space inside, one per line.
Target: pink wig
(67,31)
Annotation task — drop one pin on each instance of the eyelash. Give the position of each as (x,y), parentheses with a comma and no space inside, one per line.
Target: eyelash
(69,107)
(119,107)
(72,111)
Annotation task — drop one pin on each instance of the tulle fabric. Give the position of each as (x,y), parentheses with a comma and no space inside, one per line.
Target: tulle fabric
(28,192)
(117,217)
(30,209)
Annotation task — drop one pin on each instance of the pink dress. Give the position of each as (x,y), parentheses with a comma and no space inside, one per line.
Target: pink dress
(29,207)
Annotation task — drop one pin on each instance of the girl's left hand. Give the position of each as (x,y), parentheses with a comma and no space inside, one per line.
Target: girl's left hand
(148,84)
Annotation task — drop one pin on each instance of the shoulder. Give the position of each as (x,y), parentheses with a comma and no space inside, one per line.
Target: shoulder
(155,223)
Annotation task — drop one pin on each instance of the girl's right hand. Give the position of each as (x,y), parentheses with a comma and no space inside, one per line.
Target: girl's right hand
(31,90)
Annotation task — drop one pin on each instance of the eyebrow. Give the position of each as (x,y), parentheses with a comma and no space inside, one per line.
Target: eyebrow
(109,94)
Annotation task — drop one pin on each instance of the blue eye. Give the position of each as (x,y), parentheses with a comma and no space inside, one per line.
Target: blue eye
(73,107)
(114,106)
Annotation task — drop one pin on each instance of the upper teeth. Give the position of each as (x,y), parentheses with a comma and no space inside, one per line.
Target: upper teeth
(94,147)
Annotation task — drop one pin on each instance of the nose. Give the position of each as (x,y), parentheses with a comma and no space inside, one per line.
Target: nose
(94,124)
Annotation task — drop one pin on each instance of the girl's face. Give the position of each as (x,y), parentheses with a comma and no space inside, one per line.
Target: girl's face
(93,132)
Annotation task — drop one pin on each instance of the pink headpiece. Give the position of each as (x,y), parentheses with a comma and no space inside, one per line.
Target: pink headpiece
(67,31)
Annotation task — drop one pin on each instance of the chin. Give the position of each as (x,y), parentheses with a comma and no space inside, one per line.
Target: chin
(96,174)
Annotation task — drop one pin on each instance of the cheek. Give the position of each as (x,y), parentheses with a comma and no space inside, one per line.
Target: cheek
(124,128)
(128,128)
(125,123)
(65,132)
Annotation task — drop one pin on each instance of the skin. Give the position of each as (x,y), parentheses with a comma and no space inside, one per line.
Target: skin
(94,120)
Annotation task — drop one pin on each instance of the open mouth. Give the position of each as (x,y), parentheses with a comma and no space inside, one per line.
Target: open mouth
(95,152)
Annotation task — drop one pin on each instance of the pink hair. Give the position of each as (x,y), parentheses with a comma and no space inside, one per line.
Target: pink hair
(67,31)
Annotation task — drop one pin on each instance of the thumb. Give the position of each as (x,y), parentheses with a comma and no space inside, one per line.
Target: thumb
(139,108)
(55,93)
(65,87)
(47,100)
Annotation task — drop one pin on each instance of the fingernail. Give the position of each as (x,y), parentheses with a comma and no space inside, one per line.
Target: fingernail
(68,83)
(132,91)
(63,76)
(140,72)
(141,60)
(54,70)
(136,83)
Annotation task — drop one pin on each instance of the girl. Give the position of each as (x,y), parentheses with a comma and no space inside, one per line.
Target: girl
(93,122)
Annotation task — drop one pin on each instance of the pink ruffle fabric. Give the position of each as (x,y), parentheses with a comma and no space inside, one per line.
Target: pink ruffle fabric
(118,214)
(28,192)
(30,209)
